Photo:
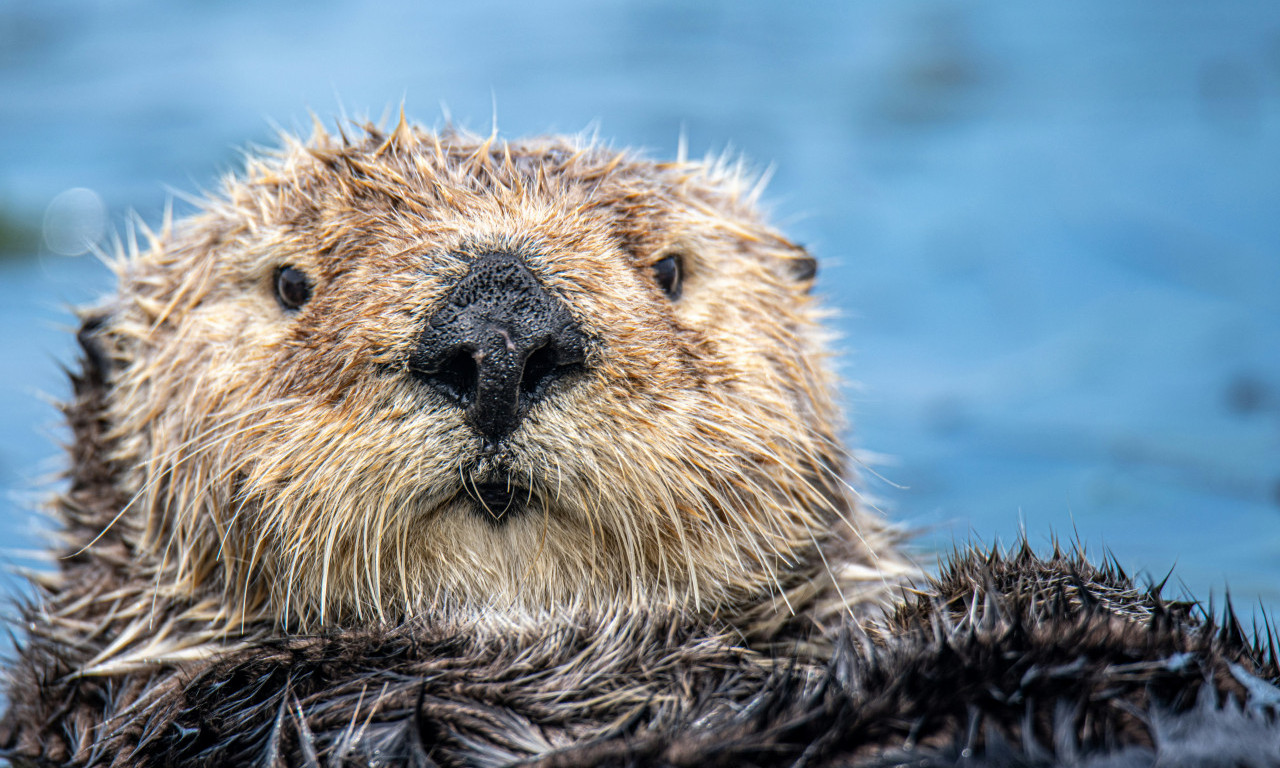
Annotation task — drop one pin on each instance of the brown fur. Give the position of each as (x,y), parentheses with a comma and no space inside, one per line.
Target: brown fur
(239,470)
(1004,660)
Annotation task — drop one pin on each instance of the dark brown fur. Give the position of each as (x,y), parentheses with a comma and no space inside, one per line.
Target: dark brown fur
(1006,660)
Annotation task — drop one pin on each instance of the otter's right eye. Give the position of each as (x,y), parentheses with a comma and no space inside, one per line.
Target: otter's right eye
(293,287)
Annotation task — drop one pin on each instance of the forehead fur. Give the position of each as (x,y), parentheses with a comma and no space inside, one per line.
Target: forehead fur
(379,182)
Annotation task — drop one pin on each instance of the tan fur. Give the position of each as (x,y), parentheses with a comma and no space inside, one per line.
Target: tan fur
(276,471)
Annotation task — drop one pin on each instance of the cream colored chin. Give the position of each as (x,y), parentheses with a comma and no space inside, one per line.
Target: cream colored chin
(533,558)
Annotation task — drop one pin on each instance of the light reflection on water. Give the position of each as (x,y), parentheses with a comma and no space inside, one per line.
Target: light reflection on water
(1051,232)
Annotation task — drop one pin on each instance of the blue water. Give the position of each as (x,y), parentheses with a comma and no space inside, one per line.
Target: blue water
(1052,231)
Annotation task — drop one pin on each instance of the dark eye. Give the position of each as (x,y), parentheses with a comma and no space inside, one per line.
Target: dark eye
(669,272)
(293,287)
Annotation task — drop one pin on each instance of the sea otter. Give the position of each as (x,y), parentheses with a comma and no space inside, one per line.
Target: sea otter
(438,449)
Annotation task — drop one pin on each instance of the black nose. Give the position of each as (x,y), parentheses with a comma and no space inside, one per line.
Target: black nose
(497,344)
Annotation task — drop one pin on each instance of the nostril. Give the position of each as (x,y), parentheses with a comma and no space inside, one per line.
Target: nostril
(547,364)
(537,368)
(456,376)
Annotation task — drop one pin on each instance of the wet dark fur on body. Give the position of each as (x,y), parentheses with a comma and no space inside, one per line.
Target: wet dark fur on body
(278,542)
(1005,660)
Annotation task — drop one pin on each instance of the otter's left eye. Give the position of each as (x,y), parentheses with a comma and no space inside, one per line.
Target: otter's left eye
(669,272)
(293,287)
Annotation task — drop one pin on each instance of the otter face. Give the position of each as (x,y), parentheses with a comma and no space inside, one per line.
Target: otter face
(415,373)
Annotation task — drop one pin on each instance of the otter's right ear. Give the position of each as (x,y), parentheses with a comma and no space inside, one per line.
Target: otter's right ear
(93,342)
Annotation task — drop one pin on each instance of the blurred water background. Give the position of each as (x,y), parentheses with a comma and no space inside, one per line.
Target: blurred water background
(1052,231)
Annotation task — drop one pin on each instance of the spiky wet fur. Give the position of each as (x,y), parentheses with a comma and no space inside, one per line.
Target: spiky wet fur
(1003,660)
(241,471)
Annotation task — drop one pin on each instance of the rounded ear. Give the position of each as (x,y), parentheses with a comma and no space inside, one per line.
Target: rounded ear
(803,268)
(94,345)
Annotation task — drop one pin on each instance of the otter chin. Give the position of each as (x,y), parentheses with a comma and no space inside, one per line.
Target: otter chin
(405,374)
(498,501)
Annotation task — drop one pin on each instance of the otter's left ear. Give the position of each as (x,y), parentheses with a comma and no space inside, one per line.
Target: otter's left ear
(802,267)
(93,342)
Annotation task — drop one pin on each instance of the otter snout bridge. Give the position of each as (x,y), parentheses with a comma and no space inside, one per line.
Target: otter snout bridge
(497,344)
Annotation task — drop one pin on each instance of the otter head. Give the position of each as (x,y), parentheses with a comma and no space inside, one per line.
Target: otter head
(410,373)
